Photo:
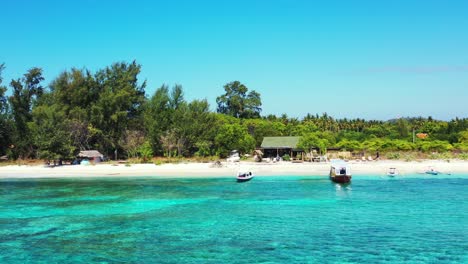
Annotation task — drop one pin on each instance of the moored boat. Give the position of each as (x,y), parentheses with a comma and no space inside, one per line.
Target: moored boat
(244,176)
(340,172)
(392,172)
(431,171)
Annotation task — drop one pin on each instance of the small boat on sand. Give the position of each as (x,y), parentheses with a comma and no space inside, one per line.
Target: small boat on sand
(431,171)
(392,172)
(340,172)
(244,176)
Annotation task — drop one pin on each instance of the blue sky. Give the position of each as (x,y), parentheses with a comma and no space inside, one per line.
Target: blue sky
(368,59)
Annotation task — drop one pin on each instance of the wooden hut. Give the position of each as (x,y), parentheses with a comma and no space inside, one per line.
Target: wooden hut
(93,155)
(279,146)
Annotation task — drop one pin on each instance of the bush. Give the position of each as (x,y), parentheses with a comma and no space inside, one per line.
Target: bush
(441,156)
(286,157)
(409,157)
(145,151)
(463,156)
(393,155)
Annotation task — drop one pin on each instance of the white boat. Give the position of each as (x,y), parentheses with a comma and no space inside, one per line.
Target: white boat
(431,171)
(340,172)
(392,172)
(244,176)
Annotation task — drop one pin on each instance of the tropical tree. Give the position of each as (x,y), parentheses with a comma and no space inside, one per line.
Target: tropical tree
(311,141)
(26,92)
(238,103)
(120,101)
(6,124)
(233,136)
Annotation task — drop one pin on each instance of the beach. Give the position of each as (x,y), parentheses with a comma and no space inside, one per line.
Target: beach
(228,169)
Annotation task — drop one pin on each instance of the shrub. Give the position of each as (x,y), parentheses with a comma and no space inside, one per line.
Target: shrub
(145,151)
(409,157)
(286,157)
(393,155)
(441,156)
(463,156)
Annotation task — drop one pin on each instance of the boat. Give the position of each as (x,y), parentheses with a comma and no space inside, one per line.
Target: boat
(244,176)
(392,172)
(340,172)
(431,171)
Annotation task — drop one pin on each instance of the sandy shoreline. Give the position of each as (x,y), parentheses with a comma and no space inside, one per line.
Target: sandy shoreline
(227,170)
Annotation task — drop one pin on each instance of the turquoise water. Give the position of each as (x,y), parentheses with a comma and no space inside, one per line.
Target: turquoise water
(267,220)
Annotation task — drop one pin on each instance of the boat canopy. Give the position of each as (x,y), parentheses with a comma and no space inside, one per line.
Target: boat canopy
(341,167)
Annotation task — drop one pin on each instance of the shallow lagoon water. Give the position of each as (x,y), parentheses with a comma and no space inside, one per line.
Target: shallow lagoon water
(410,219)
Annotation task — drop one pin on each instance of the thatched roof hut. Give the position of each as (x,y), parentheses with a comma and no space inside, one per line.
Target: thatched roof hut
(90,154)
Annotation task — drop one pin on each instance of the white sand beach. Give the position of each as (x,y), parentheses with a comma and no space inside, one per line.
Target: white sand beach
(227,169)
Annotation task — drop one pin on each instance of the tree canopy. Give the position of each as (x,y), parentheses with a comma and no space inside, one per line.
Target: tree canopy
(108,110)
(238,103)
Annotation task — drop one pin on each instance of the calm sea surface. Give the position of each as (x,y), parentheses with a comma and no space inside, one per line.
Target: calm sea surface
(267,220)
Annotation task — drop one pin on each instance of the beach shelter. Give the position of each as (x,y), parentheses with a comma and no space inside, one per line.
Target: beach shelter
(279,146)
(91,155)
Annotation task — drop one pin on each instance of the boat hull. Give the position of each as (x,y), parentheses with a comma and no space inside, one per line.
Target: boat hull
(341,178)
(244,179)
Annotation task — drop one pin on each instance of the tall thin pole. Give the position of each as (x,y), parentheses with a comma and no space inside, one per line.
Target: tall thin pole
(413,135)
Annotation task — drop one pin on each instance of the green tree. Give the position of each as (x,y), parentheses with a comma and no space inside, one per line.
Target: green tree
(238,103)
(120,101)
(157,118)
(6,124)
(233,136)
(50,133)
(26,92)
(311,141)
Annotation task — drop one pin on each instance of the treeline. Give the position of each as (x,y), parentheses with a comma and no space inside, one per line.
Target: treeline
(108,110)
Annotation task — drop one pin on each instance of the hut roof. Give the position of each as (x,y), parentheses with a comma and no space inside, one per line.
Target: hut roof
(89,154)
(280,142)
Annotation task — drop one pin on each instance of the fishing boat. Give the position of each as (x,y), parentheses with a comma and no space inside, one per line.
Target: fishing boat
(340,172)
(244,176)
(392,172)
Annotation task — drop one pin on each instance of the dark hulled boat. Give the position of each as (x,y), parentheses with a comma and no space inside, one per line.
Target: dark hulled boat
(340,172)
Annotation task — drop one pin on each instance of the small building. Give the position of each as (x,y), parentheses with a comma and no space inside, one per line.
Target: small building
(91,155)
(279,146)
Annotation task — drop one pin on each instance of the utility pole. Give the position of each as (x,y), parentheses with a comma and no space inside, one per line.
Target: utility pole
(413,135)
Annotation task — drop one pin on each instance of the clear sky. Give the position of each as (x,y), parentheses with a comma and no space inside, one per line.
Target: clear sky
(350,58)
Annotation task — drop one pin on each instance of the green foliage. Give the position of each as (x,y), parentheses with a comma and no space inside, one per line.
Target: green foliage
(26,92)
(393,155)
(145,151)
(311,141)
(6,124)
(350,145)
(236,102)
(50,133)
(463,146)
(204,149)
(463,136)
(286,157)
(436,145)
(463,156)
(409,156)
(233,136)
(441,156)
(107,110)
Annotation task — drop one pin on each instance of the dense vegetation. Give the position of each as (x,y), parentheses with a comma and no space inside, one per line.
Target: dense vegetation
(108,110)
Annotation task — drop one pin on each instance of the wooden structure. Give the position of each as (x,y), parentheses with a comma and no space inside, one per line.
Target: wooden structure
(274,147)
(91,155)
